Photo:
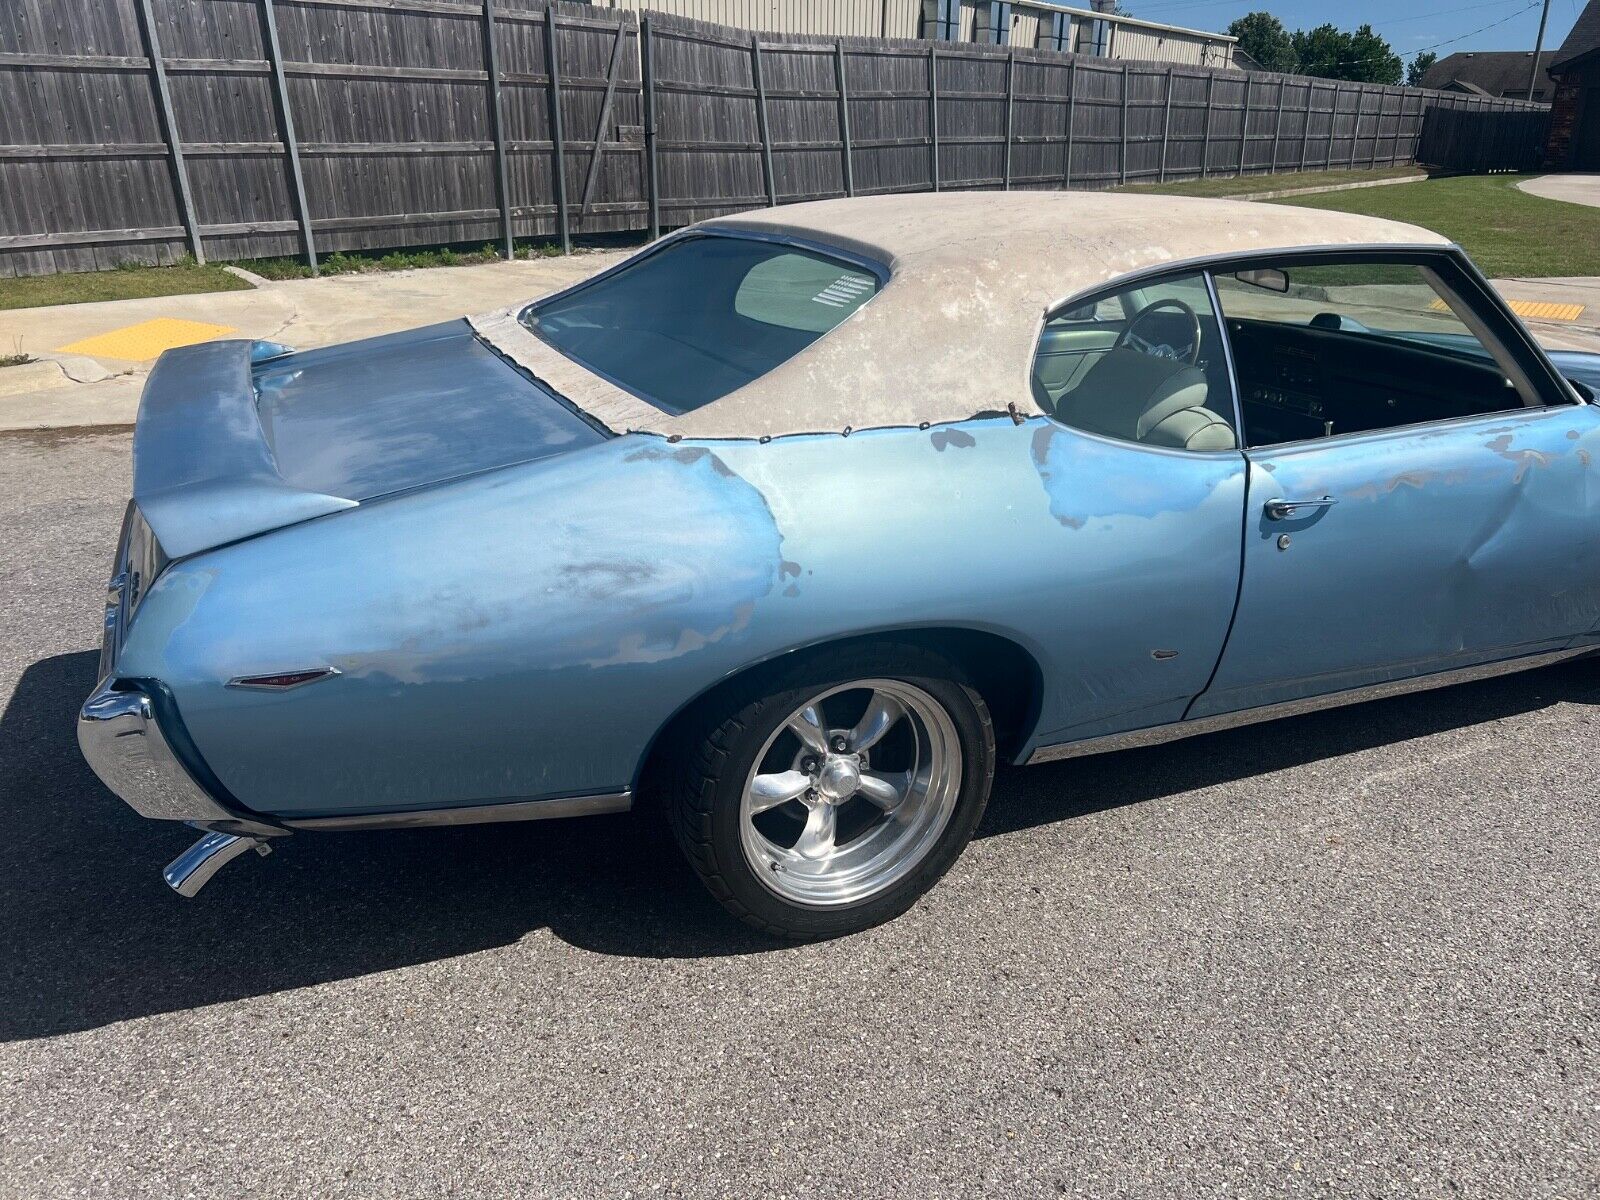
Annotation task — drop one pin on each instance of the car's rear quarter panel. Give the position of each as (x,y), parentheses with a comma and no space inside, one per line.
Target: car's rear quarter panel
(525,633)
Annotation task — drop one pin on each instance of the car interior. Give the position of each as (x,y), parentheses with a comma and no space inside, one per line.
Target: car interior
(1144,365)
(1318,351)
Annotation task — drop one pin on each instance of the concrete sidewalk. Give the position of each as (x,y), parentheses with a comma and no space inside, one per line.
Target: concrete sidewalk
(70,389)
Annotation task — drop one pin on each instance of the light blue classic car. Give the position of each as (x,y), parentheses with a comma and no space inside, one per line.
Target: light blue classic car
(797,523)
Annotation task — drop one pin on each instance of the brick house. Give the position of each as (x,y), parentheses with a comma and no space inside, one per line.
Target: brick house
(1574,143)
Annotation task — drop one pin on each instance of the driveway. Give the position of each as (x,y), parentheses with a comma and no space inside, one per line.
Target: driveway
(1351,954)
(1573,188)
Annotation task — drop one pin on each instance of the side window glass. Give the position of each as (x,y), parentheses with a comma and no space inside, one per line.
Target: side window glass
(1332,348)
(1144,364)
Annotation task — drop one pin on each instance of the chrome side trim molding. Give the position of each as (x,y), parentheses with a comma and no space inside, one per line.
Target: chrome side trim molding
(477,814)
(1156,734)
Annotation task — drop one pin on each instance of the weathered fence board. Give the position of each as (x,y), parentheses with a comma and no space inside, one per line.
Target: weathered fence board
(139,129)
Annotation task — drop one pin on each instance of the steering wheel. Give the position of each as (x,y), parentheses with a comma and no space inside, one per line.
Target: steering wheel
(1189,353)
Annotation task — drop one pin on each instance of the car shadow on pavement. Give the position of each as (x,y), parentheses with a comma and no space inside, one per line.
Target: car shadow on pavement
(94,936)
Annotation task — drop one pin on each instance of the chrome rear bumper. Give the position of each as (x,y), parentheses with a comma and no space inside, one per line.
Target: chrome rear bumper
(122,740)
(124,743)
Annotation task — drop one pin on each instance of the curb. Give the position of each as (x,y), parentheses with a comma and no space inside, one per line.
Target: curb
(250,277)
(1331,187)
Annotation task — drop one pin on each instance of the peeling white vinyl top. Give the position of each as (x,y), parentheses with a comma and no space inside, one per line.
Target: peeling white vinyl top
(952,334)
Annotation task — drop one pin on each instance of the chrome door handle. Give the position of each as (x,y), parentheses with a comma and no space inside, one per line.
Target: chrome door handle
(1281,510)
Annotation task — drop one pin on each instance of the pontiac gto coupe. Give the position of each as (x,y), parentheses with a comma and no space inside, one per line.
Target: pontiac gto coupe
(799,521)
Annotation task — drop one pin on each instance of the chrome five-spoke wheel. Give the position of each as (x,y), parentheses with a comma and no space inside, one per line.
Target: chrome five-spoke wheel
(825,794)
(850,792)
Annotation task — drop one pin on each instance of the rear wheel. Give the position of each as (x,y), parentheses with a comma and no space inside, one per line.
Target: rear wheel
(832,802)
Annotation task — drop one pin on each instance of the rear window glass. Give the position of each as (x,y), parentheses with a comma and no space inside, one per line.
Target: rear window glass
(702,316)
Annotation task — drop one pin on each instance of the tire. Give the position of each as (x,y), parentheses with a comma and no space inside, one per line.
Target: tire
(922,777)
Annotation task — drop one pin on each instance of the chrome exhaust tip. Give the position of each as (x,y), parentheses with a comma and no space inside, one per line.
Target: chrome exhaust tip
(193,869)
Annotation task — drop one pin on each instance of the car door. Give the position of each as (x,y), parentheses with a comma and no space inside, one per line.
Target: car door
(1145,483)
(1422,493)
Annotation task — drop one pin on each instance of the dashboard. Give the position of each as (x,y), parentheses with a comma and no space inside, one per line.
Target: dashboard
(1300,382)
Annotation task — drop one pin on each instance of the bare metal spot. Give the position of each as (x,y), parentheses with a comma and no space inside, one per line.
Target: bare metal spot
(1523,458)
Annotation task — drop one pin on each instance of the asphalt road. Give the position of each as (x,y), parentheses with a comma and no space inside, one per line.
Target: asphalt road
(1351,954)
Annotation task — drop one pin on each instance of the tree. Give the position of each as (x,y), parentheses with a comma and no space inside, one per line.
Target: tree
(1263,37)
(1328,52)
(1419,66)
(1321,51)
(1373,60)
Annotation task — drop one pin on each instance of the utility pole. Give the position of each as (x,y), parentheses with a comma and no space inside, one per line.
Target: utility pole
(1538,45)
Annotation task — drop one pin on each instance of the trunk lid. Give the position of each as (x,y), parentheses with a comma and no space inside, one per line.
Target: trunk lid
(226,447)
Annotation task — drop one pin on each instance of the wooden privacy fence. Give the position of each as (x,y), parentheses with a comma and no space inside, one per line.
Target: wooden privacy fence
(1477,140)
(136,130)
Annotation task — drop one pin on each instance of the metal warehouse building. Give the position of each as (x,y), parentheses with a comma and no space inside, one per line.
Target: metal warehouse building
(1029,23)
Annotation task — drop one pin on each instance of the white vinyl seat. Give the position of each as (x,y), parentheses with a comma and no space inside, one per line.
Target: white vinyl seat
(1141,398)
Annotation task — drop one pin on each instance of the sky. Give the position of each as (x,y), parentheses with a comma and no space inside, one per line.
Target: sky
(1410,26)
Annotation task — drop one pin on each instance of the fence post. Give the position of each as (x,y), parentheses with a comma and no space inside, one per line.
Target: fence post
(497,125)
(276,52)
(1244,126)
(844,117)
(1166,126)
(1205,140)
(1333,119)
(1277,124)
(1011,102)
(180,169)
(1377,129)
(1305,128)
(933,107)
(1122,131)
(769,177)
(647,60)
(1072,114)
(558,162)
(1355,129)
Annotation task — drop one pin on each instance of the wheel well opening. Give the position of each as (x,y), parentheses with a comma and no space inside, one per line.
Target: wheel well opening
(1002,672)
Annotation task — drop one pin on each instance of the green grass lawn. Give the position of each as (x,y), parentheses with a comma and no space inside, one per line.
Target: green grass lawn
(1506,231)
(127,283)
(1248,184)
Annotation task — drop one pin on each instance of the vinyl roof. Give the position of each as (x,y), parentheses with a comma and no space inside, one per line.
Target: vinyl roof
(972,275)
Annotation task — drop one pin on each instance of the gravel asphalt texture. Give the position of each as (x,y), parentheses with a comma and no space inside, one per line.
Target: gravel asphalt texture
(1351,954)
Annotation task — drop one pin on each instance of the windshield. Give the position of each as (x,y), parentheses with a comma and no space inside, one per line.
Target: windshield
(702,316)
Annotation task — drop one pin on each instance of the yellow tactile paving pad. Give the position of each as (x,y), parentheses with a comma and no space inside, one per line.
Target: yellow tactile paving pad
(1533,310)
(146,340)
